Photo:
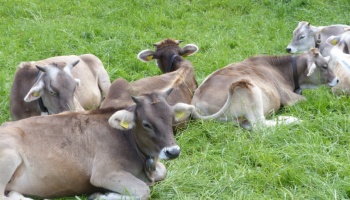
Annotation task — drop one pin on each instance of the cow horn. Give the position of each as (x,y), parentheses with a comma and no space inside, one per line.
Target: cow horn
(135,99)
(41,68)
(75,63)
(168,92)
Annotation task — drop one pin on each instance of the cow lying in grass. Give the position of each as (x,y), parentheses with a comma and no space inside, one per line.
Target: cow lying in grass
(178,74)
(306,36)
(248,91)
(50,86)
(339,61)
(75,153)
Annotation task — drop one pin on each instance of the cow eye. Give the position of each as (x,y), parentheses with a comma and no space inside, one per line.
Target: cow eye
(53,93)
(301,37)
(324,66)
(146,125)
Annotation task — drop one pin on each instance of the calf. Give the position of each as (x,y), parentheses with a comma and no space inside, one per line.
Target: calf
(49,86)
(75,153)
(306,36)
(259,86)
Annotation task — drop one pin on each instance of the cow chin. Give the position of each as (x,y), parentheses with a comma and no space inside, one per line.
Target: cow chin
(168,153)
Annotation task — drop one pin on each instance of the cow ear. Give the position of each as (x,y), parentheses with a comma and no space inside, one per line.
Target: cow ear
(182,111)
(333,40)
(35,92)
(311,67)
(146,55)
(122,120)
(189,50)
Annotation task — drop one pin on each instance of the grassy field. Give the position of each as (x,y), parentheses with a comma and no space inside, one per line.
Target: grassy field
(218,161)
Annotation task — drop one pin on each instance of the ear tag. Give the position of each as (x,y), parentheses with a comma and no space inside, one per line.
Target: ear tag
(36,94)
(124,124)
(334,42)
(149,58)
(179,115)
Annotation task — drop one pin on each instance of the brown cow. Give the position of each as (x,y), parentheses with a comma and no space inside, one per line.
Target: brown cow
(258,86)
(178,74)
(50,87)
(75,153)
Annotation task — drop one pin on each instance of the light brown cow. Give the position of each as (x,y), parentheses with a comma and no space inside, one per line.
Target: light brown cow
(248,91)
(178,74)
(75,153)
(306,36)
(52,85)
(339,61)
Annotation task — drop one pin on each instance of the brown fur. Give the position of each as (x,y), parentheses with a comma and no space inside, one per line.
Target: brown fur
(257,86)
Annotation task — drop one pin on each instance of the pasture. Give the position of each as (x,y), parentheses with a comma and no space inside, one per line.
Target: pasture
(310,160)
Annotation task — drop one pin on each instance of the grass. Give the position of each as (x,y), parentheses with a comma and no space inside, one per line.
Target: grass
(218,160)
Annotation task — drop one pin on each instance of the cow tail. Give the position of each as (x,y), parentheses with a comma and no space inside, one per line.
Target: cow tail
(246,84)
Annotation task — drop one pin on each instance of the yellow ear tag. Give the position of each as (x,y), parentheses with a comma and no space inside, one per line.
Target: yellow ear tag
(149,58)
(334,42)
(179,115)
(124,124)
(36,94)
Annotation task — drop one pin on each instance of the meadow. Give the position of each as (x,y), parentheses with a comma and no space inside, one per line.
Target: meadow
(310,160)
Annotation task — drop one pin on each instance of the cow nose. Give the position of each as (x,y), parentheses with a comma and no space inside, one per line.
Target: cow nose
(288,49)
(168,153)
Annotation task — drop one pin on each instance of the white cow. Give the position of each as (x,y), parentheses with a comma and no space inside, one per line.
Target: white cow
(339,61)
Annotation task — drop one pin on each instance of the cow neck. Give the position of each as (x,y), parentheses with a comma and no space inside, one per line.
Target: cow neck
(171,63)
(297,88)
(318,40)
(149,164)
(43,108)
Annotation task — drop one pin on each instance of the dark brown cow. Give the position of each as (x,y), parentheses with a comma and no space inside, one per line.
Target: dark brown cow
(51,87)
(76,153)
(248,91)
(178,74)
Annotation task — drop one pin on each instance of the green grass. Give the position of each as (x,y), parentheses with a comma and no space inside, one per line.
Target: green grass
(218,161)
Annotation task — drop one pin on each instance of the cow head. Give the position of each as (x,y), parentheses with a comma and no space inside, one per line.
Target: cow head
(167,53)
(152,121)
(56,86)
(303,38)
(318,71)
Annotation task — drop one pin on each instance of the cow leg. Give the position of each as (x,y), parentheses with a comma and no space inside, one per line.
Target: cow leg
(9,162)
(126,185)
(16,196)
(247,103)
(160,172)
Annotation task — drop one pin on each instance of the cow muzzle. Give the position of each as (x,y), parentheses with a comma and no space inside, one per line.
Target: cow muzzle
(334,82)
(168,153)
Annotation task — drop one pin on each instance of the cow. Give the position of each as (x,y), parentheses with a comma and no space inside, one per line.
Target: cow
(306,36)
(247,92)
(50,86)
(90,152)
(178,74)
(339,61)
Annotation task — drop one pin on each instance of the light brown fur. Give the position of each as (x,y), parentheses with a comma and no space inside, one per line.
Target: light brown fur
(258,86)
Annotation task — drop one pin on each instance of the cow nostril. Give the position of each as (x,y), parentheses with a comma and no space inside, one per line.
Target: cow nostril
(172,153)
(288,50)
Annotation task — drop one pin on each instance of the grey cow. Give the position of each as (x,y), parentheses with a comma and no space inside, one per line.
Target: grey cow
(58,84)
(306,36)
